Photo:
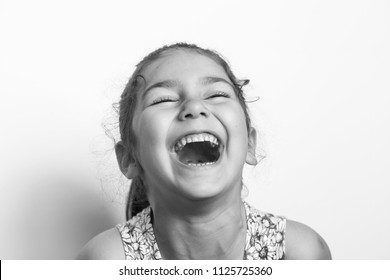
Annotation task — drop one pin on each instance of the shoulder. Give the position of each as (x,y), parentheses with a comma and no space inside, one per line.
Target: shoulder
(303,243)
(105,246)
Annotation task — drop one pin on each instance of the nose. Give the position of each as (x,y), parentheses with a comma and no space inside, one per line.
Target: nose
(193,109)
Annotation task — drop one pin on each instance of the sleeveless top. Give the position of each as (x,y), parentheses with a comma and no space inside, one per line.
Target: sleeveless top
(264,236)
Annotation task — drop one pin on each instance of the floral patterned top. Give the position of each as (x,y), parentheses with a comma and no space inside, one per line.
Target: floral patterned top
(264,236)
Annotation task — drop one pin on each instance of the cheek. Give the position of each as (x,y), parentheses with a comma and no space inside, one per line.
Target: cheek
(235,116)
(151,132)
(235,123)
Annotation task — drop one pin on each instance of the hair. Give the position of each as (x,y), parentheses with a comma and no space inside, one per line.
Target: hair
(137,199)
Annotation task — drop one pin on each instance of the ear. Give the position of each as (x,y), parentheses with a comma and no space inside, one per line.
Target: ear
(126,161)
(251,154)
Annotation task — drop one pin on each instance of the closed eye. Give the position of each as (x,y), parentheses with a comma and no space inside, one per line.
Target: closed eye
(218,94)
(162,100)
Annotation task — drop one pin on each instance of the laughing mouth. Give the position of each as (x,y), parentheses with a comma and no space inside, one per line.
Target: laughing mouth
(198,149)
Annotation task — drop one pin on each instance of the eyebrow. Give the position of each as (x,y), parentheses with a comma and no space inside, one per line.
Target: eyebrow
(205,81)
(163,84)
(212,80)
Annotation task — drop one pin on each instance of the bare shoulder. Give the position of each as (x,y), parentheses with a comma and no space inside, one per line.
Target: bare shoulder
(303,243)
(105,246)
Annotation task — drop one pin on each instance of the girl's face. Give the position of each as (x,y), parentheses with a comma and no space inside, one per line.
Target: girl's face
(192,139)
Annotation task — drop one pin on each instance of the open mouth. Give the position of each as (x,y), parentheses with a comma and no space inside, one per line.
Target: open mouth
(198,149)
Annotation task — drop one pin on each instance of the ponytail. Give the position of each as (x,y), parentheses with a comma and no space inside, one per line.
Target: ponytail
(136,199)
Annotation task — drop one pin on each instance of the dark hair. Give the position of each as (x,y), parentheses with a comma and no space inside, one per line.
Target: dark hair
(137,199)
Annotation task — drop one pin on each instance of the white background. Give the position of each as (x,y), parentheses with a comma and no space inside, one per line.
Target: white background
(320,68)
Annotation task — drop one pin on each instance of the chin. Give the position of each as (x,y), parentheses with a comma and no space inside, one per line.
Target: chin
(201,191)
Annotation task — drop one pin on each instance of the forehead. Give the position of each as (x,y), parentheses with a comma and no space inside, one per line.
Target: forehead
(182,65)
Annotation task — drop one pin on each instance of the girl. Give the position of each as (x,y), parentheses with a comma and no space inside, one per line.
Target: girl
(185,136)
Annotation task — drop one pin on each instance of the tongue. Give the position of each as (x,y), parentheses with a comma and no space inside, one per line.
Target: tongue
(198,152)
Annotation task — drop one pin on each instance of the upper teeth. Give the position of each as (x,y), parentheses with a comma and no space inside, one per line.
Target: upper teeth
(201,137)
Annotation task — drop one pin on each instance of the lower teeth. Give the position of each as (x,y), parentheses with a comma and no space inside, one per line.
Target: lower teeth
(200,164)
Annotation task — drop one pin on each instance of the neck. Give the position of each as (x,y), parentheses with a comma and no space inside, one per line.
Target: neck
(209,229)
